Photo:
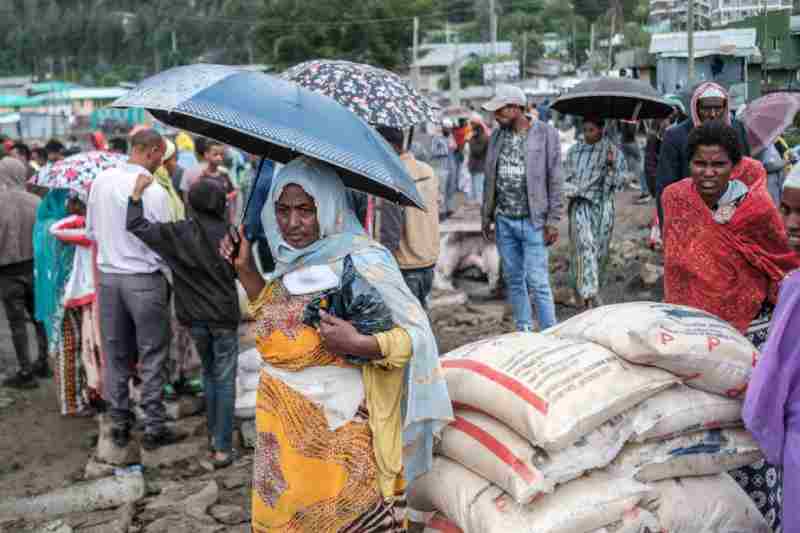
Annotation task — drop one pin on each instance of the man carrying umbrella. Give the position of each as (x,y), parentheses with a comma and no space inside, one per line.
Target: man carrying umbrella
(522,200)
(133,292)
(710,101)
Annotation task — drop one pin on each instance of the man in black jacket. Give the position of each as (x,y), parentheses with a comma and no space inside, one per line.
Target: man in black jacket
(206,298)
(710,101)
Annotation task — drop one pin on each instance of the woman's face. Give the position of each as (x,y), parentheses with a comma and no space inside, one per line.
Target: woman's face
(711,172)
(297,217)
(592,133)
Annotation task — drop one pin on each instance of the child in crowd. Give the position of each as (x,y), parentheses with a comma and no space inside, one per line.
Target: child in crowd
(205,295)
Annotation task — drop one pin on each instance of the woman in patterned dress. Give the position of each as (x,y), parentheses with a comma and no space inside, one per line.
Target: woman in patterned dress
(78,359)
(726,252)
(350,393)
(593,173)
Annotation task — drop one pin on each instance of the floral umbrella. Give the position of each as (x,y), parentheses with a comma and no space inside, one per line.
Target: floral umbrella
(76,172)
(378,96)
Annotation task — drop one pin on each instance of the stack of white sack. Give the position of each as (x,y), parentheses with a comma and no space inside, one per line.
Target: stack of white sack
(247,376)
(615,421)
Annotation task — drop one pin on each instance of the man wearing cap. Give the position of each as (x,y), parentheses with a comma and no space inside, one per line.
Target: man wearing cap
(710,101)
(522,200)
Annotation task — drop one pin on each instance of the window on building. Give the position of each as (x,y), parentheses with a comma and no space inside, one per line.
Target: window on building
(774,43)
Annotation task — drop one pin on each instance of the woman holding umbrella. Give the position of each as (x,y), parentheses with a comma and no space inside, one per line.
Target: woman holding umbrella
(65,288)
(335,463)
(335,311)
(593,173)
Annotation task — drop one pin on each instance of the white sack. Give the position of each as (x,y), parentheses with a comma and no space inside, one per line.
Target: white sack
(695,454)
(708,503)
(680,410)
(549,390)
(249,362)
(495,452)
(708,352)
(477,506)
(439,523)
(636,520)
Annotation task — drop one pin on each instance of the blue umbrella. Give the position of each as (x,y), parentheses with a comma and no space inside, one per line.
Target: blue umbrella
(278,119)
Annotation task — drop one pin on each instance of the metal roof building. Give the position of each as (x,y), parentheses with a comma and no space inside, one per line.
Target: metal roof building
(736,42)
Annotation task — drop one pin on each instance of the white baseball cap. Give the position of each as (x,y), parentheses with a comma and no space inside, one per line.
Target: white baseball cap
(506,95)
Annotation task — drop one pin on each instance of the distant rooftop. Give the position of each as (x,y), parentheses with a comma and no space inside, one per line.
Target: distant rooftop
(86,93)
(51,86)
(443,55)
(736,42)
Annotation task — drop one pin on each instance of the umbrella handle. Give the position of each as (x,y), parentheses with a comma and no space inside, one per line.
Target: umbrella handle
(636,111)
(252,188)
(370,215)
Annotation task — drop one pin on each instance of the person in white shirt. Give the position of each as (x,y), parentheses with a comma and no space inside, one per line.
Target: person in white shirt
(133,292)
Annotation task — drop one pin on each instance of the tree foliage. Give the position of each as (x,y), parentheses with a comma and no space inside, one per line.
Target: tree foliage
(105,41)
(379,33)
(108,41)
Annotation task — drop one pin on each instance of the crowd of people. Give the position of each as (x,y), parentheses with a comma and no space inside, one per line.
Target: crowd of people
(132,281)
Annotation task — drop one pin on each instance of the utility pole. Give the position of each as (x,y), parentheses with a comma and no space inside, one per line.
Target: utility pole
(574,43)
(415,55)
(493,35)
(524,55)
(690,44)
(611,41)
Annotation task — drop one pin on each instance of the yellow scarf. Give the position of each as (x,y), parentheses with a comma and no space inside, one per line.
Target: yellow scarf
(176,206)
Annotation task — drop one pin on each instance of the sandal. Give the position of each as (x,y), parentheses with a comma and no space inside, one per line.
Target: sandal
(224,463)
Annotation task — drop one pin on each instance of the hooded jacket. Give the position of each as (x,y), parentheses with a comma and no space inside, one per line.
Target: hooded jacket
(673,159)
(205,287)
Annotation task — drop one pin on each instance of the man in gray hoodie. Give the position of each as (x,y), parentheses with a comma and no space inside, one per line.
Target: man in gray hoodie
(522,203)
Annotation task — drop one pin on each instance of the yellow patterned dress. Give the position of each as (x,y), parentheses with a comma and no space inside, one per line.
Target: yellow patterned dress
(308,478)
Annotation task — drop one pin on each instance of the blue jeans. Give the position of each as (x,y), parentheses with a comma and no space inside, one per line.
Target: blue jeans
(219,352)
(643,181)
(525,268)
(478,178)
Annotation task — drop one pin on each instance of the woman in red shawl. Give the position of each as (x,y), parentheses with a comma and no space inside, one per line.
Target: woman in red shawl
(725,247)
(726,253)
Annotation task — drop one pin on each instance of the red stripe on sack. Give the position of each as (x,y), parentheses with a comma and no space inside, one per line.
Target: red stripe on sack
(445,526)
(501,379)
(499,449)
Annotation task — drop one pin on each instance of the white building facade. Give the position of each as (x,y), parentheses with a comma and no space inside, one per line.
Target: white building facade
(711,13)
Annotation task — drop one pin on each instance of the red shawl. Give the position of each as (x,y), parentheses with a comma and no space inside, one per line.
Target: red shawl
(730,269)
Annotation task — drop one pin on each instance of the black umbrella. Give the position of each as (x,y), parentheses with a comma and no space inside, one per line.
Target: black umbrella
(278,119)
(614,98)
